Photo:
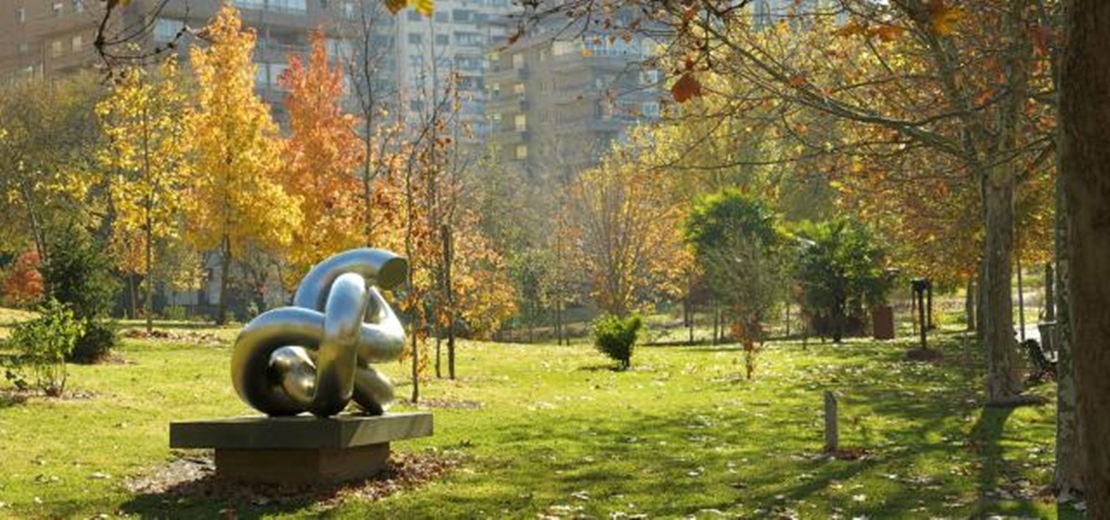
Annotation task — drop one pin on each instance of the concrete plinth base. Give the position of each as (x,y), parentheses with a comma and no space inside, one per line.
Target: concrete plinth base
(300,450)
(297,467)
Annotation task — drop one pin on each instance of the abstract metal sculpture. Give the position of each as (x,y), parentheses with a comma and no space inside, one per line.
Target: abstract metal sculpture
(315,356)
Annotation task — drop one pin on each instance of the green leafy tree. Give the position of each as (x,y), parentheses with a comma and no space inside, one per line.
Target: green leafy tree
(78,274)
(840,269)
(736,247)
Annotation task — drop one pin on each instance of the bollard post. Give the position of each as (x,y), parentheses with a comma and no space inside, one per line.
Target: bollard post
(832,434)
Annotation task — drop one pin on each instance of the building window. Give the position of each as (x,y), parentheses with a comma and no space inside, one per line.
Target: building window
(58,9)
(416,38)
(21,15)
(293,6)
(519,89)
(276,70)
(324,5)
(562,48)
(441,16)
(520,122)
(521,152)
(339,47)
(56,48)
(250,4)
(296,6)
(462,15)
(260,75)
(413,16)
(78,6)
(442,39)
(166,29)
(78,43)
(22,48)
(518,61)
(469,38)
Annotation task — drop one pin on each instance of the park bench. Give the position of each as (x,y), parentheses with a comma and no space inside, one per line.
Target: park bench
(1040,350)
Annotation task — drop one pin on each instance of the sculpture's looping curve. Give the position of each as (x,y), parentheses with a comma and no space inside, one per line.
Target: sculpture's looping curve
(315,355)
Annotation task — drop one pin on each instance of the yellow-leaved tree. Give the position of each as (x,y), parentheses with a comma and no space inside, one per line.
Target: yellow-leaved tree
(320,156)
(623,224)
(235,200)
(147,161)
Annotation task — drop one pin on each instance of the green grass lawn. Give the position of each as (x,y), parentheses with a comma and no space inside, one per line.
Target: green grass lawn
(558,434)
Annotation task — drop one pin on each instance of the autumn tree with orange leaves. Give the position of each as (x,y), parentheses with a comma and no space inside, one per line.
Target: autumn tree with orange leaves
(320,155)
(21,282)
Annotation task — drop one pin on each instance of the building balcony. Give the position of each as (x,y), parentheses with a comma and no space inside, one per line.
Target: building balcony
(69,22)
(271,52)
(508,104)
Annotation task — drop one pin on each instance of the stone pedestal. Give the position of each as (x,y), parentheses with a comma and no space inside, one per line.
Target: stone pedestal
(300,450)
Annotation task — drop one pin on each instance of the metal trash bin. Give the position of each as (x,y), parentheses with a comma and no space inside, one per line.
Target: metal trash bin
(1048,337)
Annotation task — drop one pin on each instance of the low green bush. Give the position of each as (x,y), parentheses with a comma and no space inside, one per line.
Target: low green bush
(43,344)
(177,313)
(616,337)
(96,343)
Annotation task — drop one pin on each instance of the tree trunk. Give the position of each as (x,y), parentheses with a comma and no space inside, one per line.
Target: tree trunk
(981,304)
(1068,477)
(969,303)
(1048,307)
(1021,298)
(368,180)
(439,357)
(561,320)
(716,322)
(149,207)
(1003,381)
(132,297)
(787,317)
(149,278)
(225,275)
(1085,169)
(929,307)
(448,256)
(690,339)
(532,321)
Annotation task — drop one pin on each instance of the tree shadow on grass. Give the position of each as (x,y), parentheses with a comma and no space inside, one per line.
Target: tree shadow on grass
(603,367)
(998,478)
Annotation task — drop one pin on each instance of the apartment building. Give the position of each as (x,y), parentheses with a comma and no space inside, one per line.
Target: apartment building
(42,39)
(558,100)
(443,59)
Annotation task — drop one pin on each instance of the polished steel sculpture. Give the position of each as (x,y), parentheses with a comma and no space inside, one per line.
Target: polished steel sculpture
(315,356)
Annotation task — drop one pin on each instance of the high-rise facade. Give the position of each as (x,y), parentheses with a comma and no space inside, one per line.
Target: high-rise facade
(44,39)
(558,102)
(414,59)
(442,61)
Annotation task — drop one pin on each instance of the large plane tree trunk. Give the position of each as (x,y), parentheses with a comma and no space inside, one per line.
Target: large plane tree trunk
(1003,381)
(1068,477)
(1085,167)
